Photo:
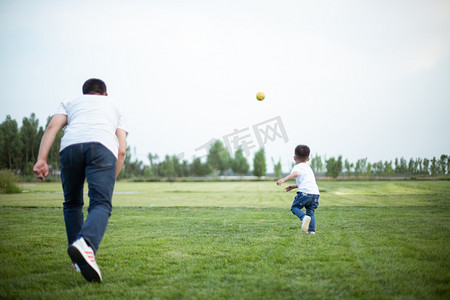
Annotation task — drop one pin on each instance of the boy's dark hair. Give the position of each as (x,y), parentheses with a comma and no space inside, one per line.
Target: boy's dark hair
(302,152)
(94,86)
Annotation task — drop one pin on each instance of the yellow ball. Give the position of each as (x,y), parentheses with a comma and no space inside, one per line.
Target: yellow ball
(260,96)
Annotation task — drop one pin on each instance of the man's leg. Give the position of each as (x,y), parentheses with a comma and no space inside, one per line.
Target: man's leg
(72,179)
(101,176)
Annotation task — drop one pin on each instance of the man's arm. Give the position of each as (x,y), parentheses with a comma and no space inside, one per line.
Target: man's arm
(122,137)
(57,123)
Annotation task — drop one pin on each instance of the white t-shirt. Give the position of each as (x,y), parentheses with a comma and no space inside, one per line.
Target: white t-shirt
(92,118)
(306,181)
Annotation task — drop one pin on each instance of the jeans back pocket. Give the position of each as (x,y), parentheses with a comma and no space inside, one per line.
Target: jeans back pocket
(101,156)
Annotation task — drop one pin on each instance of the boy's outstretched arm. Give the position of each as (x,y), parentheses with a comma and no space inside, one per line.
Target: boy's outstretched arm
(57,123)
(287,178)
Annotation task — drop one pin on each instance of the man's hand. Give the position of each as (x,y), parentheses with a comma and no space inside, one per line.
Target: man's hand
(57,122)
(280,181)
(41,169)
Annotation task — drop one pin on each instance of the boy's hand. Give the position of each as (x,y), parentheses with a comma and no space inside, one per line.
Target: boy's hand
(280,181)
(41,169)
(291,187)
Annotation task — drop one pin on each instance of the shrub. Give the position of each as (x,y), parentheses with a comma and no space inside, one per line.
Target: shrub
(8,182)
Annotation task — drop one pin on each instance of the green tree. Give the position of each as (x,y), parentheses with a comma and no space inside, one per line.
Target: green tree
(131,168)
(277,168)
(317,164)
(334,166)
(361,167)
(331,166)
(433,167)
(442,164)
(412,167)
(348,168)
(378,168)
(426,166)
(200,169)
(239,163)
(259,163)
(28,135)
(11,145)
(448,164)
(185,169)
(401,167)
(388,169)
(177,165)
(218,157)
(153,170)
(369,169)
(419,166)
(170,167)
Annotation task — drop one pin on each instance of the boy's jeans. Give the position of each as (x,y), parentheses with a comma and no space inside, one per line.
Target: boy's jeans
(308,201)
(94,162)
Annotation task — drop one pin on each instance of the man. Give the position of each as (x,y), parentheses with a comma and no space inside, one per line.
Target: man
(93,148)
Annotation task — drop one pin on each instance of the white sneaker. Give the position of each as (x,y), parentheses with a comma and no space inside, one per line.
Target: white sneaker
(311,232)
(305,223)
(83,255)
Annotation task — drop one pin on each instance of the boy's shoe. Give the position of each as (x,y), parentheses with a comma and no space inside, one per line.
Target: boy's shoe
(305,223)
(83,255)
(75,267)
(311,232)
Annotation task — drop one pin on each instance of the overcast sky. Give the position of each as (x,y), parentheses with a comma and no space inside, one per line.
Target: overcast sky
(353,78)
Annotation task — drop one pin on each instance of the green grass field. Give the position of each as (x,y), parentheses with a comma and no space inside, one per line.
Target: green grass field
(236,240)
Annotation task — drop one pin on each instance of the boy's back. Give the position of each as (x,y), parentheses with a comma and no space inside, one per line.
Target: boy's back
(305,180)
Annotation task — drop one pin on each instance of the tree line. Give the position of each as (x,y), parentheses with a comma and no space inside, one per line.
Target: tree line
(19,148)
(218,162)
(401,167)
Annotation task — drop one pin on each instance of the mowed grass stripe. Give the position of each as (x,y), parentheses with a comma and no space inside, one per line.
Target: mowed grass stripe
(245,194)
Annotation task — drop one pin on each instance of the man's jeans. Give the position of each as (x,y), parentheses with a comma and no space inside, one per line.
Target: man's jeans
(94,162)
(308,201)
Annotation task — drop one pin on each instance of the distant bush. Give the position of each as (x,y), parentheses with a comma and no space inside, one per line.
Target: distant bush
(8,182)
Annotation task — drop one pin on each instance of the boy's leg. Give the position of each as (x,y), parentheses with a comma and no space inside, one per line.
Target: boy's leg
(72,180)
(101,176)
(297,206)
(312,224)
(310,209)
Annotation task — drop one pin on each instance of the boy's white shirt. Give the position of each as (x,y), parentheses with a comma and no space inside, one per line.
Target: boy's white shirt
(305,179)
(92,118)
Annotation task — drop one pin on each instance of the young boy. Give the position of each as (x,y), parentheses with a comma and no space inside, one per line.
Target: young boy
(93,149)
(308,191)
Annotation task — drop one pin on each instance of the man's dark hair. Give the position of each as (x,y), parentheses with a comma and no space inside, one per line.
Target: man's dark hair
(94,86)
(302,152)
